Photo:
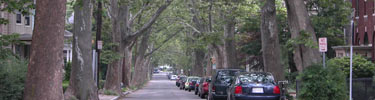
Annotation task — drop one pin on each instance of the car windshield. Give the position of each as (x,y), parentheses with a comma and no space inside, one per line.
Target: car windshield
(256,77)
(225,76)
(193,79)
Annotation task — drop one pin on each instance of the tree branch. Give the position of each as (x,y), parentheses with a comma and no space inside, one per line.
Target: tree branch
(165,41)
(136,15)
(150,22)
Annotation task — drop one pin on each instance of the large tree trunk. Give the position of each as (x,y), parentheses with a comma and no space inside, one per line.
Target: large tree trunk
(198,62)
(127,63)
(298,21)
(44,75)
(139,68)
(82,84)
(230,56)
(113,78)
(270,41)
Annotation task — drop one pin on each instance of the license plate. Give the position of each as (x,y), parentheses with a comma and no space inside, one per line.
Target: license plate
(258,90)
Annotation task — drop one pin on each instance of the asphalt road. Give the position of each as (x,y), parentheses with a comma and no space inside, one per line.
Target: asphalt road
(160,88)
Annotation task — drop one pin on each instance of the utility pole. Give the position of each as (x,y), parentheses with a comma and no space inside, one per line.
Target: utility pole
(98,36)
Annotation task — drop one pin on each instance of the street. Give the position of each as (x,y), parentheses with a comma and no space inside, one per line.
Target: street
(160,88)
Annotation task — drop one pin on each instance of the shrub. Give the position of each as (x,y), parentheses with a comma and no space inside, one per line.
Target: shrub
(320,83)
(362,68)
(67,69)
(12,78)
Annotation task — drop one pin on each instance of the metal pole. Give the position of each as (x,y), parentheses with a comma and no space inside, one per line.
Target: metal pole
(324,60)
(351,61)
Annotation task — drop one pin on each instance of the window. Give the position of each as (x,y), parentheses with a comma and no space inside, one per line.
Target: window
(18,18)
(27,20)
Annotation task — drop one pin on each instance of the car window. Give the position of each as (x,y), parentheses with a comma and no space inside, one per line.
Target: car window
(193,79)
(256,77)
(225,76)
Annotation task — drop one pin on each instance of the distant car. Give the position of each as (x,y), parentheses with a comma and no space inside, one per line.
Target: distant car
(173,77)
(253,86)
(220,82)
(156,71)
(203,87)
(179,80)
(190,83)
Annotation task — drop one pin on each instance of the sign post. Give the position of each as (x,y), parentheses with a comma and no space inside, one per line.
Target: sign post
(323,49)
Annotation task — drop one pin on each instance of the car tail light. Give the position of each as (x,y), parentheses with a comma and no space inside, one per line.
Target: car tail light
(238,90)
(205,84)
(276,90)
(213,88)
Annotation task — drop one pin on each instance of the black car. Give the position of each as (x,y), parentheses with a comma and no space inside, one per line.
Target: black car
(220,82)
(253,86)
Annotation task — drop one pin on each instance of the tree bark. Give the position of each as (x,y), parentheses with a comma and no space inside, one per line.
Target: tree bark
(198,63)
(45,70)
(113,78)
(230,56)
(299,20)
(139,69)
(270,41)
(82,84)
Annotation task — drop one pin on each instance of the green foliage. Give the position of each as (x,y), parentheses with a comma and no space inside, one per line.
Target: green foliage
(304,38)
(6,40)
(68,68)
(361,67)
(320,83)
(65,85)
(12,77)
(109,92)
(332,16)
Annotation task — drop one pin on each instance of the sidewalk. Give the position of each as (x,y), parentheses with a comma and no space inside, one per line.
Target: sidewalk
(107,97)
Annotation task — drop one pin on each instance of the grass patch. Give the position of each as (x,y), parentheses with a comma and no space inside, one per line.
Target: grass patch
(109,92)
(65,85)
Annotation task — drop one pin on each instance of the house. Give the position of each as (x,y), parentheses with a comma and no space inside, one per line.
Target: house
(24,25)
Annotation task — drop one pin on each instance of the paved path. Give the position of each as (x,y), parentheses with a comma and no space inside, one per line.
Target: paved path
(160,88)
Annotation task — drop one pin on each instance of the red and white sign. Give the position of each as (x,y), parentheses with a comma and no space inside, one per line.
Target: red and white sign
(100,45)
(323,44)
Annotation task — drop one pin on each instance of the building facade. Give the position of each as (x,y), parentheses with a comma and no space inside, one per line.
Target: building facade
(364,30)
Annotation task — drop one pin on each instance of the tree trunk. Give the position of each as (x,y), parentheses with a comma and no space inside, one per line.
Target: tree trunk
(230,56)
(44,75)
(113,78)
(270,41)
(139,68)
(198,63)
(299,20)
(82,84)
(126,72)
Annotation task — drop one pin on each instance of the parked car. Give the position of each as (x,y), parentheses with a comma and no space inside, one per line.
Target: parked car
(179,79)
(253,86)
(190,83)
(203,87)
(182,82)
(220,83)
(173,77)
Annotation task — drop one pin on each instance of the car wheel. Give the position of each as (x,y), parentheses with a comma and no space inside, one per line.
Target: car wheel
(209,97)
(202,95)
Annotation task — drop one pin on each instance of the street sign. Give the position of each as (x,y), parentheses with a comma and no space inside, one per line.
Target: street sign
(100,45)
(323,44)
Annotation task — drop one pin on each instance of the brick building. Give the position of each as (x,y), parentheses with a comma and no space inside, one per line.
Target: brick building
(363,30)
